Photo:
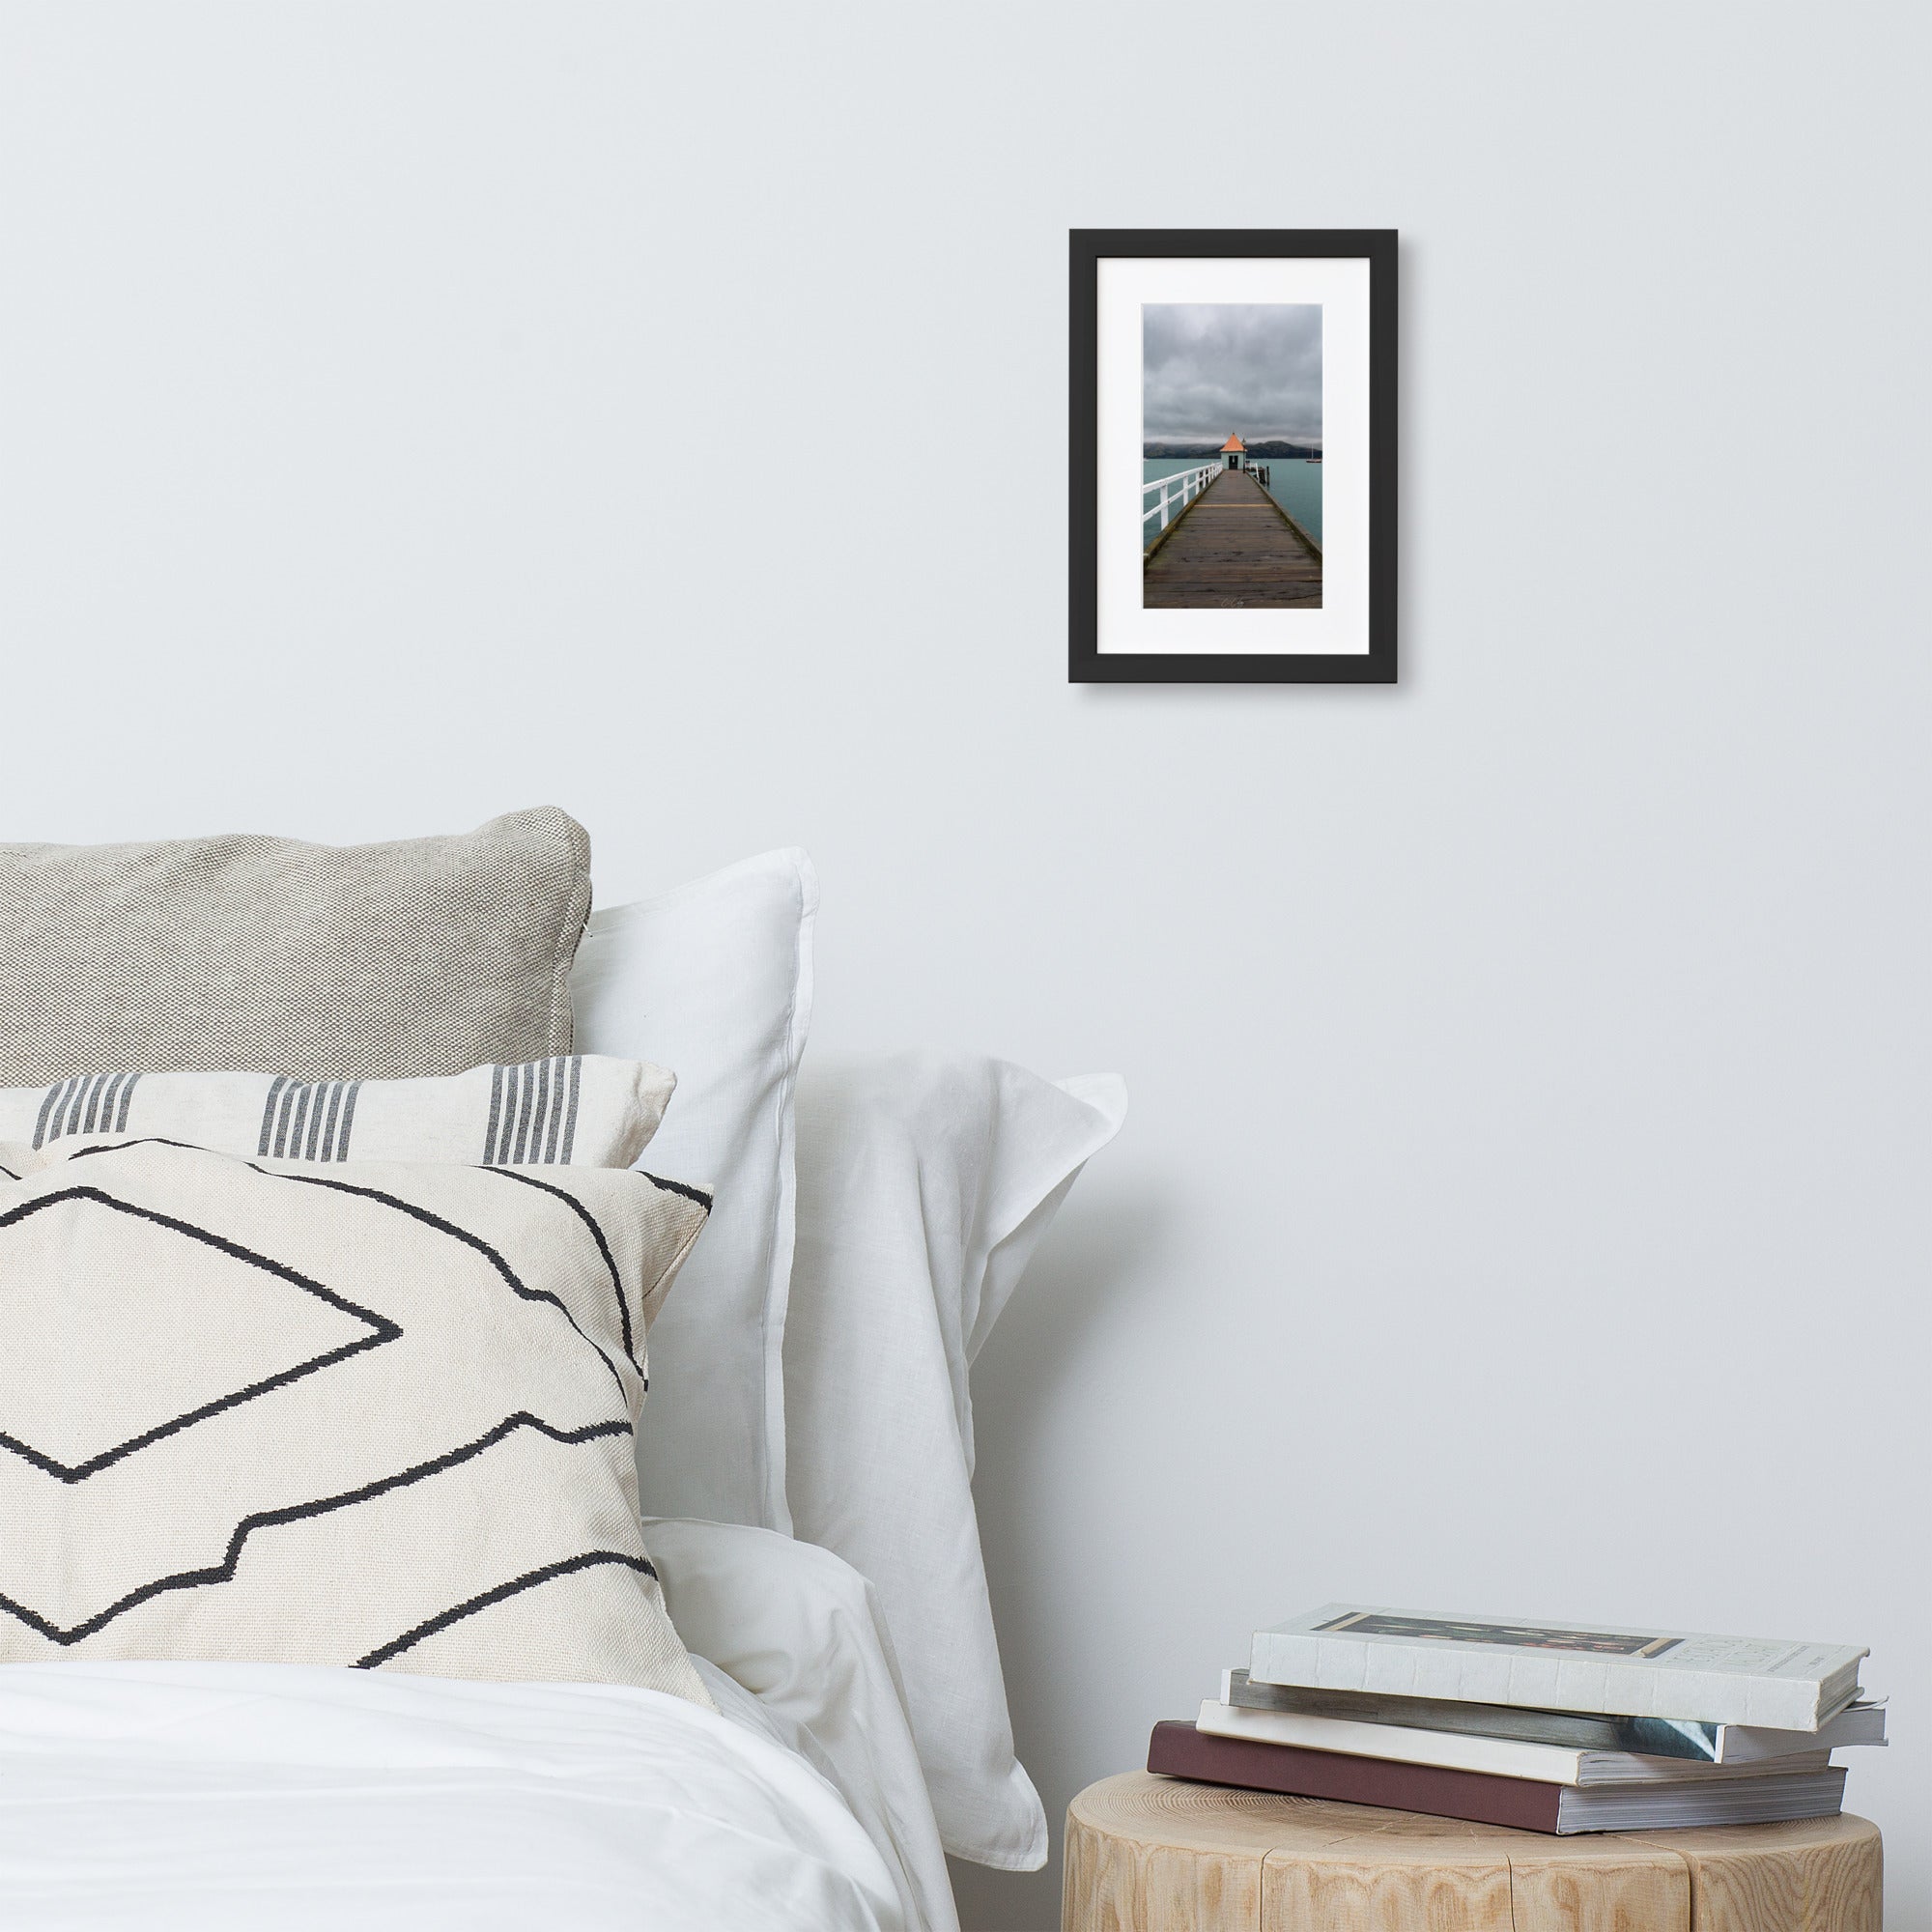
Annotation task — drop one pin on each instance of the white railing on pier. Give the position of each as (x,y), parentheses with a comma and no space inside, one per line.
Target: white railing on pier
(1177,492)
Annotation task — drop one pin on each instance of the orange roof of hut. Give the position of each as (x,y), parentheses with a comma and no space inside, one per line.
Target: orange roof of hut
(1233,443)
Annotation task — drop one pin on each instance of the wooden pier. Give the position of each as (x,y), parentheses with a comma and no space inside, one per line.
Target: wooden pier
(1233,548)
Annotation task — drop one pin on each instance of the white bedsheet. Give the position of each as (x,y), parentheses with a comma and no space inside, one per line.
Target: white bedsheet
(230,1796)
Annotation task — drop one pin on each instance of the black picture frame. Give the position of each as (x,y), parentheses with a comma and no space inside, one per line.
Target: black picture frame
(1086,662)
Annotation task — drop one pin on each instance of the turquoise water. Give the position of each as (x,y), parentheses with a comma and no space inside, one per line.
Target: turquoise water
(1296,485)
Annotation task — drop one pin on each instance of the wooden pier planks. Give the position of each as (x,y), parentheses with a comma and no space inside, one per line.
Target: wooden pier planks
(1233,548)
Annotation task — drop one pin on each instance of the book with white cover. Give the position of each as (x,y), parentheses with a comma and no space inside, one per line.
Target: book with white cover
(1557,1666)
(1858,1723)
(1492,1758)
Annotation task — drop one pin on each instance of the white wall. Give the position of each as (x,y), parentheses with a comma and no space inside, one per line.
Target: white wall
(1524,1204)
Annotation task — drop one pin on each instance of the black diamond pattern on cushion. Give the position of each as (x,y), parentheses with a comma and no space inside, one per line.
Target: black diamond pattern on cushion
(377,1416)
(79,1393)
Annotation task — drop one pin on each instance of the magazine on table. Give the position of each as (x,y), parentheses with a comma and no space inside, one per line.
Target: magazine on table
(1771,1683)
(1858,1723)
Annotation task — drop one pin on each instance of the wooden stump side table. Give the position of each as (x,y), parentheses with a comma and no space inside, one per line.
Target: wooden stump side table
(1148,1854)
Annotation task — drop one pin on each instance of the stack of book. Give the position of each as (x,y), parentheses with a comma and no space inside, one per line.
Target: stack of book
(1547,1727)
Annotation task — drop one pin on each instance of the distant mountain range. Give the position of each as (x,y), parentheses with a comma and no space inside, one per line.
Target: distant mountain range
(1275,449)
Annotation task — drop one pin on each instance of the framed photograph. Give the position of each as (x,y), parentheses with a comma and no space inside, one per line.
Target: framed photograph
(1233,467)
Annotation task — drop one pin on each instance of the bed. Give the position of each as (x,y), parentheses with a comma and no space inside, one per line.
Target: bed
(226,1794)
(725,1657)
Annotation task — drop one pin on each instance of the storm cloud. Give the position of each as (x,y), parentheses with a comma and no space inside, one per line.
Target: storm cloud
(1251,367)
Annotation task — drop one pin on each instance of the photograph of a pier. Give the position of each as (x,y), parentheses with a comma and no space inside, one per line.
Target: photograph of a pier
(1230,456)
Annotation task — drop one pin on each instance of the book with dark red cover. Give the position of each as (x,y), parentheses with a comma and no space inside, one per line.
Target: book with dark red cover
(1180,1750)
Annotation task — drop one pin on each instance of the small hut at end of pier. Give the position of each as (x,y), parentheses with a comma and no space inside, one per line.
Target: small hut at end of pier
(1235,451)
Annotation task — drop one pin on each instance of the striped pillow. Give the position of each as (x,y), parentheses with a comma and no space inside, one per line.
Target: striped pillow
(572,1110)
(379,1414)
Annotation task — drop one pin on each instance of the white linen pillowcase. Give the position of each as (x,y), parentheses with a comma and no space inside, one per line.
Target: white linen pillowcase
(927,1180)
(797,1631)
(714,978)
(578,1110)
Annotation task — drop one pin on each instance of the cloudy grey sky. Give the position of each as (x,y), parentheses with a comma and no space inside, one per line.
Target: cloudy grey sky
(1212,367)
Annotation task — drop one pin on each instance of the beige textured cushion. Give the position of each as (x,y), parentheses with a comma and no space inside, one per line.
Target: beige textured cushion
(371,1414)
(320,962)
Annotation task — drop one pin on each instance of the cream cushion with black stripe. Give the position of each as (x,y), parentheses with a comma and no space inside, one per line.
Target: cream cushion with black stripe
(372,1414)
(571,1110)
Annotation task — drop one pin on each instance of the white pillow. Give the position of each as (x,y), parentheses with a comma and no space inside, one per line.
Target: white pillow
(714,982)
(801,1630)
(925,1182)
